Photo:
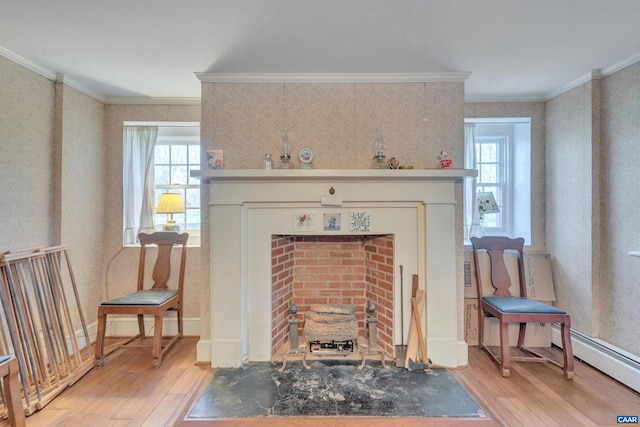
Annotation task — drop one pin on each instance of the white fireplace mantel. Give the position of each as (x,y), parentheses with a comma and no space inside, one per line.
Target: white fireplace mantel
(215,175)
(248,206)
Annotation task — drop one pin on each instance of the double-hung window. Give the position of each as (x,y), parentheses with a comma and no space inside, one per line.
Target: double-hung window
(492,154)
(159,158)
(502,156)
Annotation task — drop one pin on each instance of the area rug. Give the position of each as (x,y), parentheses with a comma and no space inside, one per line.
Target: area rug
(332,389)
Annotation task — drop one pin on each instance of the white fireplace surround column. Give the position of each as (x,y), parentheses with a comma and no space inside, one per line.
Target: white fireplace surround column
(247,207)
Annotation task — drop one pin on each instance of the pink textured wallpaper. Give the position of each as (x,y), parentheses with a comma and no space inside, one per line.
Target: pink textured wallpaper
(338,121)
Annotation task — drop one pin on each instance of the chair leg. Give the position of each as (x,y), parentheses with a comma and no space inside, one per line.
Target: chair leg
(505,352)
(141,326)
(13,402)
(522,332)
(99,347)
(567,349)
(156,351)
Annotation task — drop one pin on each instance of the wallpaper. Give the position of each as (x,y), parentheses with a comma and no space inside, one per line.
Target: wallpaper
(620,208)
(569,208)
(79,164)
(338,121)
(593,205)
(26,157)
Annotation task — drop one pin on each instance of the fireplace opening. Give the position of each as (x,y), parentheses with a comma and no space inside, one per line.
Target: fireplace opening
(338,269)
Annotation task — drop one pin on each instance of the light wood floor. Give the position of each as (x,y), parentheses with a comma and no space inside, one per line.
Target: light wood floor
(128,391)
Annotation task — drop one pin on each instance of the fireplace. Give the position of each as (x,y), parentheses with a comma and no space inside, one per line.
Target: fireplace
(312,270)
(251,211)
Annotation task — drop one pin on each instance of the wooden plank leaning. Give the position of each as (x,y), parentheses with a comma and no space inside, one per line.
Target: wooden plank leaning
(39,320)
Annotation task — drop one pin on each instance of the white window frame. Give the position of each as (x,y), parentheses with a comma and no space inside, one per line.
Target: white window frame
(501,188)
(514,199)
(177,139)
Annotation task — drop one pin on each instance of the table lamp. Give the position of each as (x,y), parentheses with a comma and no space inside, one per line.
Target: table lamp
(486,203)
(170,203)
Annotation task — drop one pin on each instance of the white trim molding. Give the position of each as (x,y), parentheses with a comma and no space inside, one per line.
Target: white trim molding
(141,100)
(61,78)
(534,97)
(607,358)
(127,326)
(44,72)
(333,77)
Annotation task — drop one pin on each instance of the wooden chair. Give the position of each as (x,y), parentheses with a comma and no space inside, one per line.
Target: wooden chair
(511,309)
(154,301)
(11,391)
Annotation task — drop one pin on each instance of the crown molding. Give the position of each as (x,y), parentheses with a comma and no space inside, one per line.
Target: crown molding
(49,74)
(44,72)
(534,97)
(61,78)
(332,77)
(620,65)
(144,100)
(593,75)
(567,87)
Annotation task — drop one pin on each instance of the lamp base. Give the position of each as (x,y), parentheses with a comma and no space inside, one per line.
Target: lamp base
(171,227)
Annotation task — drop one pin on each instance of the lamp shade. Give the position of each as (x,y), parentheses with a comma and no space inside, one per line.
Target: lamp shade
(486,203)
(170,203)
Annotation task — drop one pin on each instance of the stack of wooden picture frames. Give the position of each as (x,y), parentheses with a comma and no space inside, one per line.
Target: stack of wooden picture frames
(42,324)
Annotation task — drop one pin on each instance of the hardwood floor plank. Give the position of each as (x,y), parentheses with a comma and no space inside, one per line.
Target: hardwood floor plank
(591,398)
(552,398)
(129,391)
(186,381)
(163,411)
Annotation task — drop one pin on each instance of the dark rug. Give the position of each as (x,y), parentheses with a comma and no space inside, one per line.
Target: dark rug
(332,389)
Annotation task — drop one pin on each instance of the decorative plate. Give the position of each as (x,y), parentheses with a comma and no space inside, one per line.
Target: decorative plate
(305,155)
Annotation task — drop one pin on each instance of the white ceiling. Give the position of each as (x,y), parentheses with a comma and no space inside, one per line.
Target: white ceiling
(514,49)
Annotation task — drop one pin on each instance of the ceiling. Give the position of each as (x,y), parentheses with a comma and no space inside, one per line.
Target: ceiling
(514,49)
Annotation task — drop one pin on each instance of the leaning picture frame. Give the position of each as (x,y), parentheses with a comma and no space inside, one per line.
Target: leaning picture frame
(215,159)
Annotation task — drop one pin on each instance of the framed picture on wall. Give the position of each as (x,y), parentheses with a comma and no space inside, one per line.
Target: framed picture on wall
(215,159)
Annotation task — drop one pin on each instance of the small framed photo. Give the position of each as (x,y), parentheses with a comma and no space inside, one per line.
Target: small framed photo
(215,159)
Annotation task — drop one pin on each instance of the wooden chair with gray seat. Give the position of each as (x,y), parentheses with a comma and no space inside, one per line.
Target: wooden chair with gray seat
(155,301)
(11,391)
(515,309)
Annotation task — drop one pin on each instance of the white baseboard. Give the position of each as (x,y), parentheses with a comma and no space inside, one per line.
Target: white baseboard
(203,352)
(127,326)
(607,358)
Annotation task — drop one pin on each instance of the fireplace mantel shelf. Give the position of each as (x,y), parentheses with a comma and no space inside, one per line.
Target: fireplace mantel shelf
(451,175)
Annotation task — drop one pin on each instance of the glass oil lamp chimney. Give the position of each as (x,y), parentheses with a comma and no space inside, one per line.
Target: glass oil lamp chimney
(379,144)
(285,152)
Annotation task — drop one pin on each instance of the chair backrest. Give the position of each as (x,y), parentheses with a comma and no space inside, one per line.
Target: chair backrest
(500,278)
(162,268)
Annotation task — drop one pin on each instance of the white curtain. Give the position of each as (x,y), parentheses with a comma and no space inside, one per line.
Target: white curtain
(138,181)
(471,215)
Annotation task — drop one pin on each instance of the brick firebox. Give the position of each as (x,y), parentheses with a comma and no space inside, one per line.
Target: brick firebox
(332,270)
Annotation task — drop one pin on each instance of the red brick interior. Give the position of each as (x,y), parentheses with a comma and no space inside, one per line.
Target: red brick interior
(332,270)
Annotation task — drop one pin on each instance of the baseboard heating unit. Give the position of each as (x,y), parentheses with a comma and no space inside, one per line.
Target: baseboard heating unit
(607,358)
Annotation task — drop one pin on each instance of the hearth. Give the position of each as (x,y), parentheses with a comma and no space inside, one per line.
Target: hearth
(414,209)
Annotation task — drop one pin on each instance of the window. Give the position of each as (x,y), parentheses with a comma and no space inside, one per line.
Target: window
(175,153)
(503,159)
(492,164)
